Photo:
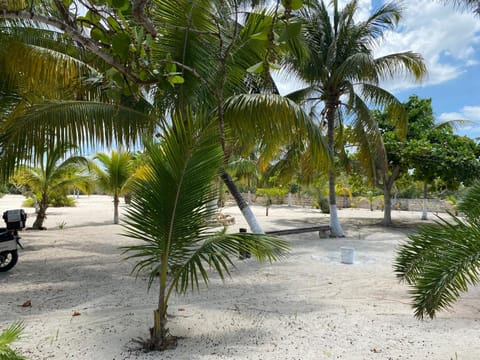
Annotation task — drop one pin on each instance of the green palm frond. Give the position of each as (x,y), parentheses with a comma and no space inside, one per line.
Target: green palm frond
(86,123)
(392,65)
(219,250)
(168,209)
(470,203)
(43,62)
(274,121)
(7,337)
(442,260)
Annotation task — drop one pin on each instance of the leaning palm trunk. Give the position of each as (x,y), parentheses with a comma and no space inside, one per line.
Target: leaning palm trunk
(242,204)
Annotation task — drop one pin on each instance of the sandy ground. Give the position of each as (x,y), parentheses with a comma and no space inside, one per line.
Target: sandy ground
(309,306)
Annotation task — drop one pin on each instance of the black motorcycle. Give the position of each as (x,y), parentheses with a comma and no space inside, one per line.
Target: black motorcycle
(9,239)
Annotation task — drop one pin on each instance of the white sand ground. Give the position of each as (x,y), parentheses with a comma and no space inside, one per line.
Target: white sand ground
(310,306)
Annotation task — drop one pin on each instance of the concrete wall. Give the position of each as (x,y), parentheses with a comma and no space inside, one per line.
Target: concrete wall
(433,205)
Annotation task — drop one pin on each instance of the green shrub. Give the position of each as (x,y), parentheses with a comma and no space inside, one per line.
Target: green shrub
(56,201)
(275,194)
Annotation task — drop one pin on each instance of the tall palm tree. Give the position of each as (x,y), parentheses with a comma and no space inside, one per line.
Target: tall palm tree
(114,174)
(169,215)
(342,74)
(53,174)
(441,261)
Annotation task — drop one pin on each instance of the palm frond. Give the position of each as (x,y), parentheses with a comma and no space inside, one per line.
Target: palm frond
(264,117)
(406,63)
(169,212)
(7,337)
(440,262)
(470,202)
(219,250)
(86,123)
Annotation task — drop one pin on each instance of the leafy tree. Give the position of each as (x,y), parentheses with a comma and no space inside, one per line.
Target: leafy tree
(343,76)
(169,214)
(114,175)
(53,174)
(440,154)
(7,337)
(441,261)
(431,151)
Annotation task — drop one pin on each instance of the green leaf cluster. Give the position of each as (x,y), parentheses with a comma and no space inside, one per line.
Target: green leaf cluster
(7,337)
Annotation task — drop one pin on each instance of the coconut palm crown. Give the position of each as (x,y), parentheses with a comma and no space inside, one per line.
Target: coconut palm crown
(113,175)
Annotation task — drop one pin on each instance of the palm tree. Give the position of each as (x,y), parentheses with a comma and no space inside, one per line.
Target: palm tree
(52,175)
(169,216)
(440,261)
(115,175)
(342,74)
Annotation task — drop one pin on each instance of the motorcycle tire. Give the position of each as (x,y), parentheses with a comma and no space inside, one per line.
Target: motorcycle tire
(8,259)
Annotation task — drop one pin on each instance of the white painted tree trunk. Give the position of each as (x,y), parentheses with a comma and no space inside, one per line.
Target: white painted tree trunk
(335,227)
(289,199)
(424,208)
(242,204)
(249,197)
(251,221)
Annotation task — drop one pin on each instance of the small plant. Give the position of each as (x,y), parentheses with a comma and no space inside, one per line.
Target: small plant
(61,225)
(7,337)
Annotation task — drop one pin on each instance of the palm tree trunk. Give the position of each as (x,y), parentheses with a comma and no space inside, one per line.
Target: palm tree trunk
(387,202)
(424,208)
(42,213)
(335,226)
(160,338)
(116,201)
(241,203)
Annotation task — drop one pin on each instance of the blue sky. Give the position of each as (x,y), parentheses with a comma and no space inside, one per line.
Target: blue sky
(449,41)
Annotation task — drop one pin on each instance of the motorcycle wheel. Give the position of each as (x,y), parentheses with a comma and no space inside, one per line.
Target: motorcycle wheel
(8,259)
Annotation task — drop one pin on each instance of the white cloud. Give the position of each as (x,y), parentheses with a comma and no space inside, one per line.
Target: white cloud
(450,116)
(469,113)
(444,37)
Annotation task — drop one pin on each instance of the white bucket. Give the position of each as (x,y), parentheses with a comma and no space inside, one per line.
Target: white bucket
(347,254)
